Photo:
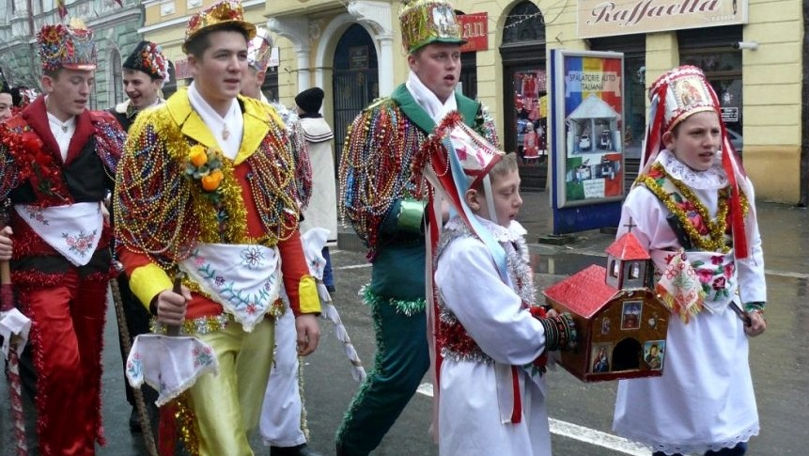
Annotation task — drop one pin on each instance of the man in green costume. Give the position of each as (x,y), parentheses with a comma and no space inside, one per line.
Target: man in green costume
(376,195)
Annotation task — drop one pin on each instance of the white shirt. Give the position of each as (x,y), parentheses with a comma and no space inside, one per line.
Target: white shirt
(428,100)
(62,132)
(226,130)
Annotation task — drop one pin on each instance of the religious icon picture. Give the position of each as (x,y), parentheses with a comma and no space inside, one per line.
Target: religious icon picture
(601,358)
(631,314)
(605,325)
(653,353)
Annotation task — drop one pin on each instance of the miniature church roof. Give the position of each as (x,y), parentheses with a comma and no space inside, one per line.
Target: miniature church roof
(627,247)
(585,292)
(593,107)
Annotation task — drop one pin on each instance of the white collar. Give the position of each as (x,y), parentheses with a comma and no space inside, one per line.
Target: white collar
(512,233)
(428,100)
(226,130)
(62,127)
(713,178)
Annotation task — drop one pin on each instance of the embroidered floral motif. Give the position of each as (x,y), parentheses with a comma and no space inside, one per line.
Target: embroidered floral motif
(134,366)
(241,301)
(203,356)
(80,243)
(716,277)
(36,213)
(252,257)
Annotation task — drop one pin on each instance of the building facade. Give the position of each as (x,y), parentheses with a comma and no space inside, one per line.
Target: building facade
(115,29)
(352,49)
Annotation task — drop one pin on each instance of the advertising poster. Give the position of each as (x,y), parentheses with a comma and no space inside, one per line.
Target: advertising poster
(586,120)
(591,130)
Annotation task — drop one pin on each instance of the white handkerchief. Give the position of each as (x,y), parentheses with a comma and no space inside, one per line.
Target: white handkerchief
(169,364)
(13,322)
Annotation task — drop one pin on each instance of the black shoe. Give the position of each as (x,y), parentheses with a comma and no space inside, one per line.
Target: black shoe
(134,422)
(300,450)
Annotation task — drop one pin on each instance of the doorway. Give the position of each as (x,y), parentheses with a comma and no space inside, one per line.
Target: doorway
(355,81)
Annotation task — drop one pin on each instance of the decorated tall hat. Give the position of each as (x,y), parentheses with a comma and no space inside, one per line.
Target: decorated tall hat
(428,21)
(259,49)
(148,57)
(219,15)
(676,95)
(66,46)
(454,159)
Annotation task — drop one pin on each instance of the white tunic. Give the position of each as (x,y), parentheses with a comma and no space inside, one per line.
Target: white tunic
(492,313)
(322,210)
(704,400)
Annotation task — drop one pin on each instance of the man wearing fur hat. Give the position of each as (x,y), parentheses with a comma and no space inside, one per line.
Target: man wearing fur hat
(206,191)
(57,161)
(145,72)
(377,196)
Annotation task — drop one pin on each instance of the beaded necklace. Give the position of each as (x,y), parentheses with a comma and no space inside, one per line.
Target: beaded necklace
(163,214)
(705,233)
(375,167)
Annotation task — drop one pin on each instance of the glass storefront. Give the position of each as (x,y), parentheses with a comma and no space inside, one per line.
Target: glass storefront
(525,129)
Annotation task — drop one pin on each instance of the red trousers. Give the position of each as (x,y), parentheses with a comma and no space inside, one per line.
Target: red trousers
(67,336)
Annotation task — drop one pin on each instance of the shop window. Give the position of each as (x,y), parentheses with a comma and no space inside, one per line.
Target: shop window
(523,55)
(469,74)
(270,84)
(116,78)
(712,50)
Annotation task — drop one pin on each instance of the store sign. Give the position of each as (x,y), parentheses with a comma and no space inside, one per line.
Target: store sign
(587,148)
(609,18)
(475,30)
(730,114)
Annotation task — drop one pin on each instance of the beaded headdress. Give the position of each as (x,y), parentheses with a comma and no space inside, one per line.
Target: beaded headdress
(215,16)
(63,46)
(148,57)
(676,95)
(259,49)
(429,21)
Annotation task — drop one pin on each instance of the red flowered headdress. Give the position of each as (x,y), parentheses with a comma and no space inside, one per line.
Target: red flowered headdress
(71,47)
(148,57)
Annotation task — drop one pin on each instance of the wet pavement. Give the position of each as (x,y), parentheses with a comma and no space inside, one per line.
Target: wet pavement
(779,358)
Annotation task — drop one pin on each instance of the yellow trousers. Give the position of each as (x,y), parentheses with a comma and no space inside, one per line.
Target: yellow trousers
(227,405)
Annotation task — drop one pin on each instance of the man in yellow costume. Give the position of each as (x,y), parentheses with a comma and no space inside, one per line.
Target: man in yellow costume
(206,191)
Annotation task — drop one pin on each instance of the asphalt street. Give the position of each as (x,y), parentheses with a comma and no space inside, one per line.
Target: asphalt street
(581,413)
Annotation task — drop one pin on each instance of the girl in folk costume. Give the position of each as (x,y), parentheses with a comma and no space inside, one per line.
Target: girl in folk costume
(56,163)
(693,208)
(207,189)
(490,339)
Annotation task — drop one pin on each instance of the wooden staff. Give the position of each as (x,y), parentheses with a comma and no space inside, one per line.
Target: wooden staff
(140,403)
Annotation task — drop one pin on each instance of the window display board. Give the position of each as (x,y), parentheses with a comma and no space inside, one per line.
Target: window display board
(587,121)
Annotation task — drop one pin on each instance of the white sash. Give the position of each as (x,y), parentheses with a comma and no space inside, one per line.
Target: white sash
(244,278)
(73,230)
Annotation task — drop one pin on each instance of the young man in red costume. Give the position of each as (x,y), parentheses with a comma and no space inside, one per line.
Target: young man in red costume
(56,163)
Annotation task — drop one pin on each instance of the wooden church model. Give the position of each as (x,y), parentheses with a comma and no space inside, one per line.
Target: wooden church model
(622,325)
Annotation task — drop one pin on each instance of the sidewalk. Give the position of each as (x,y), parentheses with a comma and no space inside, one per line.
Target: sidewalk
(784,232)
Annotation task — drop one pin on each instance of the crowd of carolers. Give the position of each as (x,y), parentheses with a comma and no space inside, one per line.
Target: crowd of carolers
(213,211)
